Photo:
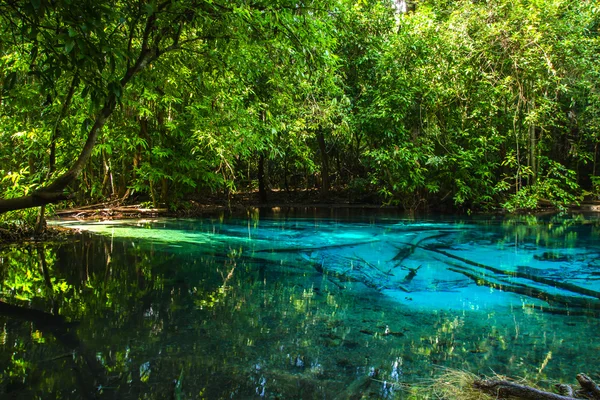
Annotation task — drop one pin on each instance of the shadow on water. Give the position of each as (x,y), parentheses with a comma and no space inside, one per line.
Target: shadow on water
(296,305)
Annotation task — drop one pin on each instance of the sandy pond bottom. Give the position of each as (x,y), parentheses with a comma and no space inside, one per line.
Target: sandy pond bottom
(297,308)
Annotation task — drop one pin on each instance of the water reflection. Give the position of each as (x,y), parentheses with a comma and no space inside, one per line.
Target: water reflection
(295,308)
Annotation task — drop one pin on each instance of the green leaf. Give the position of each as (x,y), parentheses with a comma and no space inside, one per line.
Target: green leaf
(115,88)
(69,46)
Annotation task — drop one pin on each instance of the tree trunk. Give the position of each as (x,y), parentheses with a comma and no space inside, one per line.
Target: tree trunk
(40,223)
(324,164)
(262,186)
(108,185)
(286,183)
(595,159)
(164,191)
(532,148)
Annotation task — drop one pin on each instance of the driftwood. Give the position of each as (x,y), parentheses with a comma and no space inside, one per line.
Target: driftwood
(501,284)
(356,274)
(503,389)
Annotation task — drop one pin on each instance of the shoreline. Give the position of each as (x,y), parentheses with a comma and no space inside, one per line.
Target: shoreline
(241,207)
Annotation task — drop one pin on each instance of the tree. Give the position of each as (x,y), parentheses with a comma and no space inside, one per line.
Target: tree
(107,45)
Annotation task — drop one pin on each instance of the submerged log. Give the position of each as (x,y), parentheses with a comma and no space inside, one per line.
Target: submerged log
(411,274)
(550,282)
(564,311)
(500,284)
(504,389)
(352,274)
(588,386)
(316,248)
(405,252)
(370,265)
(356,389)
(517,274)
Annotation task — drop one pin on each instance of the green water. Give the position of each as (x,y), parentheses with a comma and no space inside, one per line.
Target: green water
(297,306)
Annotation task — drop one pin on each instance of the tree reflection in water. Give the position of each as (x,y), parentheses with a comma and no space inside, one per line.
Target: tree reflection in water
(289,308)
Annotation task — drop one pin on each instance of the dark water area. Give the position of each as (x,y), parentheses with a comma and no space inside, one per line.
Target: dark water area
(302,305)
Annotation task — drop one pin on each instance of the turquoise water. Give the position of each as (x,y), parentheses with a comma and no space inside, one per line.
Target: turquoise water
(297,306)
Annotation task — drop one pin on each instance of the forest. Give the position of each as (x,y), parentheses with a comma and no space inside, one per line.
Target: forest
(441,107)
(459,105)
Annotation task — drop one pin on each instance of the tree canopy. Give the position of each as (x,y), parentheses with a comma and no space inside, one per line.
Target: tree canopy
(459,104)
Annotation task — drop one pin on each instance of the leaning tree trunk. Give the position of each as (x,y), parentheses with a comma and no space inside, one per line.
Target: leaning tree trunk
(55,191)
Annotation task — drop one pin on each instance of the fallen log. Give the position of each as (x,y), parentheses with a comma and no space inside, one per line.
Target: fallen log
(90,207)
(111,210)
(503,389)
(412,272)
(588,387)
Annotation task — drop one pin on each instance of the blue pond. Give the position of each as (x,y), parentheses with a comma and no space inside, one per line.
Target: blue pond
(298,305)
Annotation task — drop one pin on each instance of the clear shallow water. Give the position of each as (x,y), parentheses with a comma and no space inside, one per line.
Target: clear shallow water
(297,307)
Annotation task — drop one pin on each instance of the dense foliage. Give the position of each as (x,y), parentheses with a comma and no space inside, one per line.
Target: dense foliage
(461,104)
